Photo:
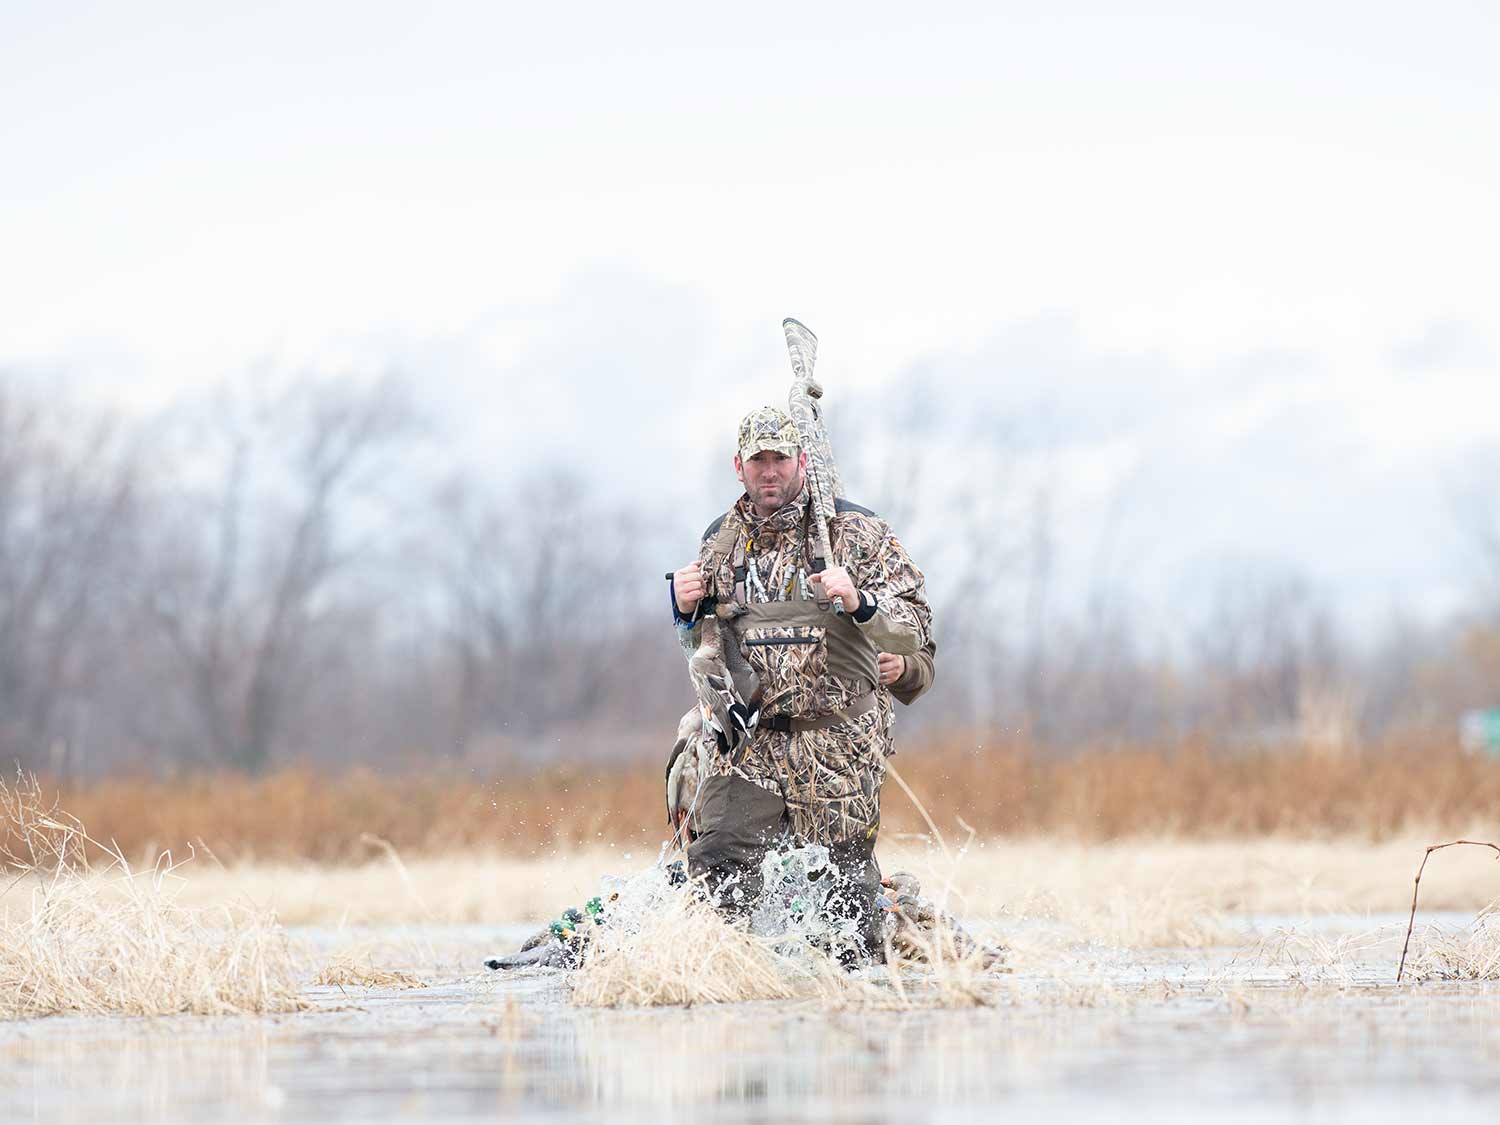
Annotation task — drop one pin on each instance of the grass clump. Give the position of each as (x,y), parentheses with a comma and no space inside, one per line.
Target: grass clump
(683,953)
(81,932)
(1473,955)
(664,945)
(355,969)
(678,953)
(1160,918)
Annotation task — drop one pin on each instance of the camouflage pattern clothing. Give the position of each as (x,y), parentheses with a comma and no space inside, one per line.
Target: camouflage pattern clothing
(767,428)
(828,777)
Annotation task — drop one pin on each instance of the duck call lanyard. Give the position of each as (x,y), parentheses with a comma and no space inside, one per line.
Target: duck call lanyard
(748,584)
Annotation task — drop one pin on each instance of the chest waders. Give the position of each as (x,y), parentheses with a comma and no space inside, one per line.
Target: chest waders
(797,651)
(794,644)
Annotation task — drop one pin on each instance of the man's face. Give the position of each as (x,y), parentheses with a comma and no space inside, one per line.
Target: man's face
(771,479)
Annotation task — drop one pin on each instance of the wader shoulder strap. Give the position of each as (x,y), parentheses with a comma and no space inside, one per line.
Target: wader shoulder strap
(810,542)
(729,541)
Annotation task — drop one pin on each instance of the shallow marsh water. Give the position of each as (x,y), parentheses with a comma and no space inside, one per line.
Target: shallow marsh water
(1077,1033)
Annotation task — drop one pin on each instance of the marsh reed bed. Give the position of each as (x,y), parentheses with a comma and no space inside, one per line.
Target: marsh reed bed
(1134,847)
(85,929)
(82,931)
(1003,789)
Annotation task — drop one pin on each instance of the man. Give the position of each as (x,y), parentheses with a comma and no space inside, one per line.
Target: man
(813,768)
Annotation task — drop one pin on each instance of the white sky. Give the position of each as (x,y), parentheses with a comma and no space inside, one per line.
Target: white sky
(1246,263)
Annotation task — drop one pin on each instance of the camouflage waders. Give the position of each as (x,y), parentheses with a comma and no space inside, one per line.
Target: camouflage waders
(742,822)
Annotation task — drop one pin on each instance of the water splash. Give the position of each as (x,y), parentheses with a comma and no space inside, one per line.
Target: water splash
(793,909)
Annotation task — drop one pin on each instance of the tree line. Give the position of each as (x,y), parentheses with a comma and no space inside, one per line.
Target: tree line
(277,574)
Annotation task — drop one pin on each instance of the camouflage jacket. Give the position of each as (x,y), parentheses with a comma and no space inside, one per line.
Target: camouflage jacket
(776,550)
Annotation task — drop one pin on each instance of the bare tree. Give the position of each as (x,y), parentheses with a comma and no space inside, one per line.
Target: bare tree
(225,591)
(254,564)
(1041,550)
(1268,647)
(69,488)
(544,598)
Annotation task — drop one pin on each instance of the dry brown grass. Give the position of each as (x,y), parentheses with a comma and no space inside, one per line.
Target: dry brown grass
(1311,958)
(1198,791)
(1002,789)
(456,889)
(1471,955)
(1129,849)
(81,934)
(298,814)
(683,953)
(357,969)
(1125,893)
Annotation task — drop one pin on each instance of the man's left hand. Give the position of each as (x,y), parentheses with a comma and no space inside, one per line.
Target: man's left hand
(836,583)
(892,668)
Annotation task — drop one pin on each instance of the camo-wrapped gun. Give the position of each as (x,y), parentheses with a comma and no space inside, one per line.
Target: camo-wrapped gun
(823,484)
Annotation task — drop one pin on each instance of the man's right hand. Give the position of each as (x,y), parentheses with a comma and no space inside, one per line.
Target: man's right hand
(687,588)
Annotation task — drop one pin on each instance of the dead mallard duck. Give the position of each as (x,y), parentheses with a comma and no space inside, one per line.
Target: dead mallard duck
(686,768)
(728,689)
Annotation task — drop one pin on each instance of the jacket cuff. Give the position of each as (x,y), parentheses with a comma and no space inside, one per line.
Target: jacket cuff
(866,610)
(677,617)
(911,676)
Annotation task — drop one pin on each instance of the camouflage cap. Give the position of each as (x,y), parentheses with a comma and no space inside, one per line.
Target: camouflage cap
(768,428)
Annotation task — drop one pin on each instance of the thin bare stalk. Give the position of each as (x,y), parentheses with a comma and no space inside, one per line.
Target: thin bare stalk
(371,840)
(921,808)
(1417,887)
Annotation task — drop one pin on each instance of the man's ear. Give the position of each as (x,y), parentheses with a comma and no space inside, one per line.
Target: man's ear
(739,469)
(802,459)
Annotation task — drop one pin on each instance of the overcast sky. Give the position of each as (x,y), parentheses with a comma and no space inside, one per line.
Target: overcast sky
(1233,278)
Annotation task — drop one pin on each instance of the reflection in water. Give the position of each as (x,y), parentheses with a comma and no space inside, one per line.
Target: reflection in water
(493,1049)
(162,1070)
(759,1055)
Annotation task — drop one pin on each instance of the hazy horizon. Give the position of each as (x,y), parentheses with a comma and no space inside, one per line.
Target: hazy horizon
(1228,287)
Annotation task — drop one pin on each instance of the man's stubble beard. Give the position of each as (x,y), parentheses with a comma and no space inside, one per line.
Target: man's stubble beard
(793,490)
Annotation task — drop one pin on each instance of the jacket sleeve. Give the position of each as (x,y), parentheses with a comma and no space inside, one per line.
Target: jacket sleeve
(901,621)
(917,677)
